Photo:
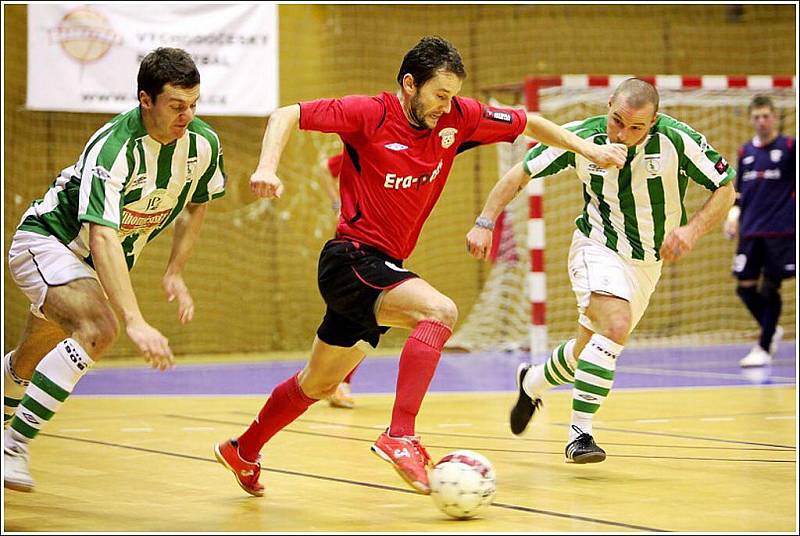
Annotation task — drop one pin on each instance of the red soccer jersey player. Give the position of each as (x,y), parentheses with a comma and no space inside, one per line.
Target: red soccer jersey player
(399,151)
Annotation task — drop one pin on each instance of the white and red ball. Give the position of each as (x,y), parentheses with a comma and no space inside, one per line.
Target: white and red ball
(463,484)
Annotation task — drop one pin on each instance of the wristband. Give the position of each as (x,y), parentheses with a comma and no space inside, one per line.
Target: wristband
(484,223)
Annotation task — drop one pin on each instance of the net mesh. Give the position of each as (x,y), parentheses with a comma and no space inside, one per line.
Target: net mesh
(694,303)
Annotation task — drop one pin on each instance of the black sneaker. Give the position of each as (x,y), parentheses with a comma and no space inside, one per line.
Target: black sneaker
(583,449)
(525,407)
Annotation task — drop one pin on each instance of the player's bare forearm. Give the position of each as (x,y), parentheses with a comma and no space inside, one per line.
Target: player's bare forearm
(714,210)
(279,128)
(111,268)
(504,192)
(187,229)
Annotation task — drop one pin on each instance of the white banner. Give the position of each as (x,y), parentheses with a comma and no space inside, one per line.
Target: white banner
(85,58)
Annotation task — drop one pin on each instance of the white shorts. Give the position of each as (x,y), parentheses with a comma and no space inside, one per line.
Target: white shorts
(38,262)
(595,268)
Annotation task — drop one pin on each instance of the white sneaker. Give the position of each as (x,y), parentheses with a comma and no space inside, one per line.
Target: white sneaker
(16,475)
(777,337)
(756,358)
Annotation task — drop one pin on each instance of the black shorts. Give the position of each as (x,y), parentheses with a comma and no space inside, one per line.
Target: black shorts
(774,256)
(351,276)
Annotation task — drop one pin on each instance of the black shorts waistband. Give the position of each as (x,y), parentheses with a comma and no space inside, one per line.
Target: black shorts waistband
(372,250)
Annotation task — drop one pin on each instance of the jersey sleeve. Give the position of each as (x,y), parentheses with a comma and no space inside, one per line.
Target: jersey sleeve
(487,124)
(103,178)
(335,164)
(347,115)
(701,162)
(212,183)
(544,161)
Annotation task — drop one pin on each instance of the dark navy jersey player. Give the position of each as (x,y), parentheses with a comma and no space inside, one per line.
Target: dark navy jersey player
(398,153)
(764,219)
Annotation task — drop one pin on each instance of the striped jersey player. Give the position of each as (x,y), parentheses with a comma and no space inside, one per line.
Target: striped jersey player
(127,180)
(633,219)
(73,249)
(630,210)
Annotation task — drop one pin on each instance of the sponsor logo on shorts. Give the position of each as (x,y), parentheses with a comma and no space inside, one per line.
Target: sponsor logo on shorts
(394,267)
(721,166)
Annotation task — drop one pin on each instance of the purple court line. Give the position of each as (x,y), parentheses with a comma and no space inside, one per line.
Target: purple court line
(704,366)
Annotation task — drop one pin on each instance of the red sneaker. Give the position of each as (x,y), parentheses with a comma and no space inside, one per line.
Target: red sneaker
(247,473)
(408,457)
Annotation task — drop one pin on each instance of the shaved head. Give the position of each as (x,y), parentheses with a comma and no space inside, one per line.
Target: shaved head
(637,93)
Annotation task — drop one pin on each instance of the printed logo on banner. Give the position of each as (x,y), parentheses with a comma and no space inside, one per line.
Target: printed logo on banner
(85,35)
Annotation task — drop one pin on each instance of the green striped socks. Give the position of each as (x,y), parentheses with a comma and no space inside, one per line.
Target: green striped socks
(55,377)
(593,380)
(13,389)
(557,370)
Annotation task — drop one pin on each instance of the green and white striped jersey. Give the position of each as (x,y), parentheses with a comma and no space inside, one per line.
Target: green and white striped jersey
(632,209)
(127,180)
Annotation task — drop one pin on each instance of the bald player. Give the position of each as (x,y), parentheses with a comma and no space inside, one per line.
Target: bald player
(632,220)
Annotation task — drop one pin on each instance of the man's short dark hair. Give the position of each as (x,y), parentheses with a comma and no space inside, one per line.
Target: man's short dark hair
(761,101)
(166,66)
(430,55)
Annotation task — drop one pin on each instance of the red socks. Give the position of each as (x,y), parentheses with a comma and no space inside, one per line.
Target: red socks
(417,365)
(286,403)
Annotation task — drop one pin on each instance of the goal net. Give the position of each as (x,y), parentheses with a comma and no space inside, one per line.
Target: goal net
(695,301)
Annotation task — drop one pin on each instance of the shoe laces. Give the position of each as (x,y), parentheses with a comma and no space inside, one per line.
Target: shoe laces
(582,437)
(415,442)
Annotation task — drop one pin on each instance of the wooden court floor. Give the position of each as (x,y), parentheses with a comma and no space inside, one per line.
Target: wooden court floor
(711,459)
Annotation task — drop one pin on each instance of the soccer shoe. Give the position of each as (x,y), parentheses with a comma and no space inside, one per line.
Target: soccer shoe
(16,474)
(408,457)
(246,473)
(525,407)
(342,398)
(583,449)
(756,358)
(777,337)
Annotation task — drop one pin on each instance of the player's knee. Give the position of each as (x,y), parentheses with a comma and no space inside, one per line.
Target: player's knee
(617,328)
(769,288)
(98,331)
(443,310)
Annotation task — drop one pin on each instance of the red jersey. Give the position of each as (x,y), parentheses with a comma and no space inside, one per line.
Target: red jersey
(393,173)
(335,165)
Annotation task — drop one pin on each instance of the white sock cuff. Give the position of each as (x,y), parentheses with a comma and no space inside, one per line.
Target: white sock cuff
(65,364)
(606,345)
(9,373)
(569,353)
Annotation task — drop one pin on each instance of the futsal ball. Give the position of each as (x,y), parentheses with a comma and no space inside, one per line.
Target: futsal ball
(462,484)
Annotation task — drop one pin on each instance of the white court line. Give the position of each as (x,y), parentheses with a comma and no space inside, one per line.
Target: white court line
(135,430)
(717,419)
(648,421)
(198,429)
(781,417)
(67,430)
(691,373)
(455,425)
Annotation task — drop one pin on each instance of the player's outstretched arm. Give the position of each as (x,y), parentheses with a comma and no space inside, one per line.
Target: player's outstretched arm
(681,240)
(548,133)
(264,182)
(109,262)
(479,238)
(187,230)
